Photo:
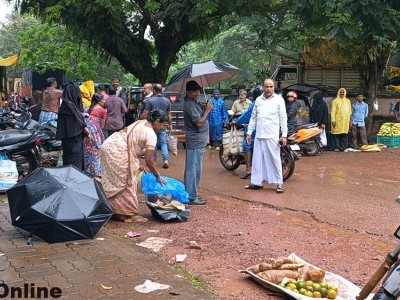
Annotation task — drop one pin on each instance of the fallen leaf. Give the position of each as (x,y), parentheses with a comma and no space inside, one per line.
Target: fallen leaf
(104,287)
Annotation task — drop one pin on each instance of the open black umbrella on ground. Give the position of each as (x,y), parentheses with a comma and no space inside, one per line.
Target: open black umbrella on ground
(205,74)
(58,205)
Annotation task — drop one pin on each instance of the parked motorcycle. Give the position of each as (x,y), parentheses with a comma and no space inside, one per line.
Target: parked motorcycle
(390,288)
(28,143)
(232,161)
(307,138)
(20,146)
(17,119)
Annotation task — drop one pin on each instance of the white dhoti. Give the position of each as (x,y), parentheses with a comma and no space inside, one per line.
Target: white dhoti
(266,163)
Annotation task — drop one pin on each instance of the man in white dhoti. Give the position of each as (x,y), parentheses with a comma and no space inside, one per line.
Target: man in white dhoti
(268,119)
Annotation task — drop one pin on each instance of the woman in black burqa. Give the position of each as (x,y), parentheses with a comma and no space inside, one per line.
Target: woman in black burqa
(71,126)
(319,114)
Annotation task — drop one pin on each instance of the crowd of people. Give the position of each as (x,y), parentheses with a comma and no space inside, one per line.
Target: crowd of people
(96,141)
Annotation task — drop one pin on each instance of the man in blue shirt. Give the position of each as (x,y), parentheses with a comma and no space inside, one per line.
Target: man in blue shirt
(358,116)
(216,120)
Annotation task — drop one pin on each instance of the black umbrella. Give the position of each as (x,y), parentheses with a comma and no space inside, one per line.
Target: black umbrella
(58,205)
(205,74)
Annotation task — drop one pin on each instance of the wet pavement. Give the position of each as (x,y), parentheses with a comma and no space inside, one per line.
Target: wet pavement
(107,267)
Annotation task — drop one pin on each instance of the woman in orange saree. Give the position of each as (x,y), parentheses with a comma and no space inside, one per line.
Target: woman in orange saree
(119,158)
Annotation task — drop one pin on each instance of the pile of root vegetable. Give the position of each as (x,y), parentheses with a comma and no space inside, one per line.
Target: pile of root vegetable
(298,277)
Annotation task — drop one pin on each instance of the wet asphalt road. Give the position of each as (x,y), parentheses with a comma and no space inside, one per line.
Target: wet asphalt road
(353,190)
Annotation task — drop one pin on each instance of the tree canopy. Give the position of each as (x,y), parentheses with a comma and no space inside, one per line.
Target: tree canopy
(366,30)
(43,46)
(144,36)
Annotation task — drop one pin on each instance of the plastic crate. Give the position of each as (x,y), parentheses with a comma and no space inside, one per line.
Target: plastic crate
(390,141)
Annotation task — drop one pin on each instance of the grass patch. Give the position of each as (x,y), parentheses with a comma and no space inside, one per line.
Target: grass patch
(196,281)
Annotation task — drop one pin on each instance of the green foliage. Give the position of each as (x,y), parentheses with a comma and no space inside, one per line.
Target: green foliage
(45,46)
(365,30)
(119,27)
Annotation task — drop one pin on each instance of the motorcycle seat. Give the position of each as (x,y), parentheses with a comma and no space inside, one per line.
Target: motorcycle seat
(309,125)
(14,136)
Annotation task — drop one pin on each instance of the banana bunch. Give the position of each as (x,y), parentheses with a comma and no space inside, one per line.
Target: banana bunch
(389,129)
(370,148)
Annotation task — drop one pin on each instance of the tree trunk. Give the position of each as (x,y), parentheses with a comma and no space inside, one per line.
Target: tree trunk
(374,78)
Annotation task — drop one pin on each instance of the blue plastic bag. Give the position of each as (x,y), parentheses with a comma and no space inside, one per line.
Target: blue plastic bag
(174,187)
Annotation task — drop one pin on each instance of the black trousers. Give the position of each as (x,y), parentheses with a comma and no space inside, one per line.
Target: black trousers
(73,151)
(342,141)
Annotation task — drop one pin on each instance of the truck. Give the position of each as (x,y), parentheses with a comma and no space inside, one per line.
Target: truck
(347,77)
(325,67)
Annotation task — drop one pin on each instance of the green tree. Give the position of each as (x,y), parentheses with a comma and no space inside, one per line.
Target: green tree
(144,36)
(45,46)
(366,31)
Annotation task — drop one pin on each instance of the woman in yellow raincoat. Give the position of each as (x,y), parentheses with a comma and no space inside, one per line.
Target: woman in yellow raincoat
(340,119)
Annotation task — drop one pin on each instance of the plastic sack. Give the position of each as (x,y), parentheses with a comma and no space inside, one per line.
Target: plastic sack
(150,185)
(322,139)
(8,172)
(168,214)
(232,141)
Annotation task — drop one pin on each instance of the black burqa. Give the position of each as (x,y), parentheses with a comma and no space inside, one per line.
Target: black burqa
(319,110)
(70,126)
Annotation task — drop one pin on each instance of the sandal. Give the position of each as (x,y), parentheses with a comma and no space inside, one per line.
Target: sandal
(245,175)
(279,189)
(253,187)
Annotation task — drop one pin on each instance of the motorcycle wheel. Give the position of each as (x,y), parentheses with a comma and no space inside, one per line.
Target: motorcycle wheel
(288,164)
(382,294)
(25,164)
(311,149)
(230,162)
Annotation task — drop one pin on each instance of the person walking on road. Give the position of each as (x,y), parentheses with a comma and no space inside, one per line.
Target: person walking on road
(196,137)
(116,110)
(216,120)
(358,116)
(268,118)
(340,119)
(158,101)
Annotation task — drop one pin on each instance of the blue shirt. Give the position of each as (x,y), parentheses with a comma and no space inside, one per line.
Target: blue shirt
(219,113)
(359,113)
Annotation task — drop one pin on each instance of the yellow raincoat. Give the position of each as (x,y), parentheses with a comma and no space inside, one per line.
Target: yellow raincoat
(87,92)
(340,113)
